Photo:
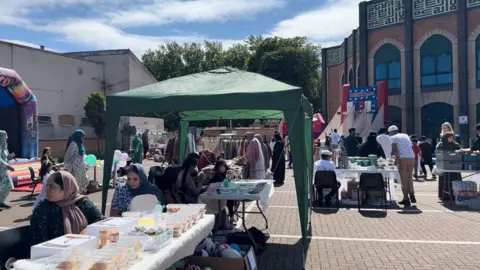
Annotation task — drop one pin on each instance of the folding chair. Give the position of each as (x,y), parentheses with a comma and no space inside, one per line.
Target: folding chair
(35,180)
(324,180)
(372,182)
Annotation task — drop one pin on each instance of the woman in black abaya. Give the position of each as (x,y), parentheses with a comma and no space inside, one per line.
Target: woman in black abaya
(278,160)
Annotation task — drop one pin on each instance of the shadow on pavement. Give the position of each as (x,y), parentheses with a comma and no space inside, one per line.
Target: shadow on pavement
(279,256)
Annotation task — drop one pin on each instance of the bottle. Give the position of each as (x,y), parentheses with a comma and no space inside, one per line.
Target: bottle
(157,213)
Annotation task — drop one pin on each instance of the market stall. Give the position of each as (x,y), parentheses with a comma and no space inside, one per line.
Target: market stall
(220,94)
(259,191)
(138,241)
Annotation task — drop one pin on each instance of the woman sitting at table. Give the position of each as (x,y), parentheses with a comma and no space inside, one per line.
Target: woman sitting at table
(188,187)
(219,174)
(137,184)
(64,211)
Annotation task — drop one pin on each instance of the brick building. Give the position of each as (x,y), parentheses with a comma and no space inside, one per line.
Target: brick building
(428,52)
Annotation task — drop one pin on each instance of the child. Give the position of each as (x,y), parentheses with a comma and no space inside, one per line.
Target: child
(45,171)
(416,151)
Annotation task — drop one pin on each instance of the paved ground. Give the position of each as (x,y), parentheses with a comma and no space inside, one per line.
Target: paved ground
(430,236)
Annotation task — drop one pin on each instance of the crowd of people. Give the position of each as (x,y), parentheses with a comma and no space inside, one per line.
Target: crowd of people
(62,205)
(412,154)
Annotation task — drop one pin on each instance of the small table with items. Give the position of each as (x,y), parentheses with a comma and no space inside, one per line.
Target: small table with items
(140,241)
(259,191)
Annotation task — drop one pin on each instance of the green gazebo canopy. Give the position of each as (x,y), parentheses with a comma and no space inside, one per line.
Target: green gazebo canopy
(220,94)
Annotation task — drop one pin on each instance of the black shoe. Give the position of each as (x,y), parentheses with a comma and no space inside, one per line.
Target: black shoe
(3,205)
(412,198)
(404,202)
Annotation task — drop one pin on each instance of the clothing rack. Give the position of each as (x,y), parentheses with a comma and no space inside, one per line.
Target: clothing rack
(228,146)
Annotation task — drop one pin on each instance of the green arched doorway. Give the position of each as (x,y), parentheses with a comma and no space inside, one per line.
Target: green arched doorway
(433,116)
(394,116)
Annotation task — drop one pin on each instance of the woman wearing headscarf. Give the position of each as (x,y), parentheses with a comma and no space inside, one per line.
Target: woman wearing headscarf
(218,176)
(64,211)
(265,153)
(256,161)
(137,149)
(6,183)
(137,184)
(74,159)
(371,147)
(278,160)
(448,143)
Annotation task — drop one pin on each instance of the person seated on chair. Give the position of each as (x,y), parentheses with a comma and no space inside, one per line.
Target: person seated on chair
(219,174)
(188,187)
(45,171)
(325,164)
(65,211)
(137,184)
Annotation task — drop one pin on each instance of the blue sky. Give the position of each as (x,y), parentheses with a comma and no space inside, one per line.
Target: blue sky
(76,25)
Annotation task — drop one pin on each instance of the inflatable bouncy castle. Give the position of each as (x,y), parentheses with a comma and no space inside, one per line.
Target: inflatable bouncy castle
(18,114)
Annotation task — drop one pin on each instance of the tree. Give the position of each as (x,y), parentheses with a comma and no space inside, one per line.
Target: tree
(295,61)
(95,112)
(291,60)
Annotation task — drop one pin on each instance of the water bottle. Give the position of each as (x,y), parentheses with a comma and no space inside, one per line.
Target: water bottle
(157,212)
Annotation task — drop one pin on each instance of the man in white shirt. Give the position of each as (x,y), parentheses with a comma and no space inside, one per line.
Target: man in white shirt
(324,164)
(335,139)
(403,152)
(386,142)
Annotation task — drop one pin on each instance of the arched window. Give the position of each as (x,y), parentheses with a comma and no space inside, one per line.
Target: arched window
(436,64)
(343,79)
(350,78)
(387,67)
(477,49)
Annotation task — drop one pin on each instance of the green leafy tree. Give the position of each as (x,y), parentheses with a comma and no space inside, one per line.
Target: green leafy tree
(237,56)
(95,112)
(291,60)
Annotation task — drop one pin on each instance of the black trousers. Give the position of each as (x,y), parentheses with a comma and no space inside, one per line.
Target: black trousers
(231,206)
(429,163)
(332,192)
(289,158)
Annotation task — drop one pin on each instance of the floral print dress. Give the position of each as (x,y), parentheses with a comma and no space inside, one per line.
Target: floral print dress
(121,198)
(47,219)
(75,164)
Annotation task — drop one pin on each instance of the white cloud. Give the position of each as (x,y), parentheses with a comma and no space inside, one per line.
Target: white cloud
(98,36)
(170,11)
(327,25)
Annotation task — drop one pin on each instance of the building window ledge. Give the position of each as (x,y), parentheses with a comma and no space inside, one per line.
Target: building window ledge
(437,88)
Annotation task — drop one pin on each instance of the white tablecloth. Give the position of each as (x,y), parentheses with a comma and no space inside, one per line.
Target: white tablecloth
(180,247)
(263,196)
(344,175)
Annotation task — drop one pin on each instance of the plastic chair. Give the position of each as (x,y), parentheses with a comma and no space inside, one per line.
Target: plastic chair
(143,203)
(372,182)
(324,180)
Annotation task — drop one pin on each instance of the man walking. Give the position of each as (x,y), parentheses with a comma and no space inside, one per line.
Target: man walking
(426,156)
(351,143)
(335,139)
(405,158)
